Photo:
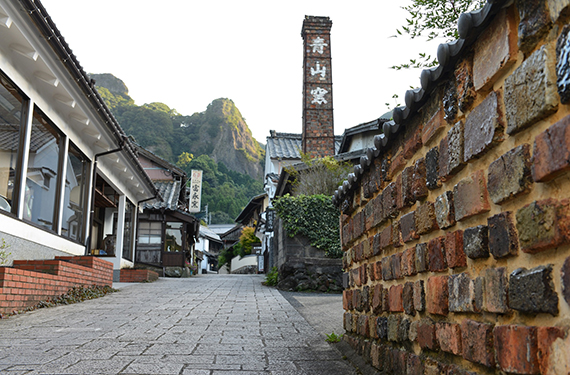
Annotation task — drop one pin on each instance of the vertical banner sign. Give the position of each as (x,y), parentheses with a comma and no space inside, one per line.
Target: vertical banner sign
(195,191)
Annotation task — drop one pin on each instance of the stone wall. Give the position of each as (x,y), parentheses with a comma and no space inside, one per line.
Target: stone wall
(303,267)
(456,233)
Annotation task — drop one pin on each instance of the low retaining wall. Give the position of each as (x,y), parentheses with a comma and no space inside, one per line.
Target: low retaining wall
(131,275)
(31,281)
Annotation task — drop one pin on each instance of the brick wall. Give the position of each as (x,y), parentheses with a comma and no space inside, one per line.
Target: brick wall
(456,237)
(131,275)
(31,281)
(318,123)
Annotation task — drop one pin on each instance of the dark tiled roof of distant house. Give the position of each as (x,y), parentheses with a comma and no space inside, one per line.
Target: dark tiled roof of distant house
(284,145)
(289,145)
(169,191)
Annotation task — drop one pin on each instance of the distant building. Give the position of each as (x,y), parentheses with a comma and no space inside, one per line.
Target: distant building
(167,232)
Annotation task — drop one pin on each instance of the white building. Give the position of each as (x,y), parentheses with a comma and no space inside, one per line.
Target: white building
(70,183)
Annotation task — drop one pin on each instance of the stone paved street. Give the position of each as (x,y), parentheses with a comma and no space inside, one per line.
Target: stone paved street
(210,324)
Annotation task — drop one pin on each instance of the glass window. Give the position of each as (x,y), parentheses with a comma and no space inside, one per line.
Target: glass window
(11,106)
(173,240)
(150,233)
(128,230)
(76,183)
(43,169)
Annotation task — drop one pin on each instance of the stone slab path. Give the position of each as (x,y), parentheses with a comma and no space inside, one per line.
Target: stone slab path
(210,324)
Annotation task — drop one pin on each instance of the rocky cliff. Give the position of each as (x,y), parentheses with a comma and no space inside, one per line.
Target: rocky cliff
(219,132)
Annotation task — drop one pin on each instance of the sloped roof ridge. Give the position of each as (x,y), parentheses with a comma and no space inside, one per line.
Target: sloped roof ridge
(470,25)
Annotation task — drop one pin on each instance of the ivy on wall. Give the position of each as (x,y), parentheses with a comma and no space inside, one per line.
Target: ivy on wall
(313,216)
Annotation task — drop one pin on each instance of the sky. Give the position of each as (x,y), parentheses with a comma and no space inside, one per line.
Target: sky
(187,53)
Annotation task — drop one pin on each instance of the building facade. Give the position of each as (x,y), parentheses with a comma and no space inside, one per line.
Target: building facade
(70,183)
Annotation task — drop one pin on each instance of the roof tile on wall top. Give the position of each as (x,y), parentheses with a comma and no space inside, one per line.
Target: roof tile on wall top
(469,26)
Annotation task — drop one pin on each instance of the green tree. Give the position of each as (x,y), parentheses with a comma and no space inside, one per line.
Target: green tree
(322,176)
(433,19)
(184,159)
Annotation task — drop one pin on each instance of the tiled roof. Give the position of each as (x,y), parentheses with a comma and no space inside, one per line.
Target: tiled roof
(169,191)
(289,145)
(208,233)
(284,146)
(470,26)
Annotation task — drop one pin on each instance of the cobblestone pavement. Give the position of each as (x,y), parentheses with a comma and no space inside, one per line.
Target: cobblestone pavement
(210,324)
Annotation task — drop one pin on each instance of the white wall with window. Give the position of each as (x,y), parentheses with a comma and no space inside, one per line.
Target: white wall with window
(56,135)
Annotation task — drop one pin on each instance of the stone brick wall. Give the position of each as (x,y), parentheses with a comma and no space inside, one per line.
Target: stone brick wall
(456,238)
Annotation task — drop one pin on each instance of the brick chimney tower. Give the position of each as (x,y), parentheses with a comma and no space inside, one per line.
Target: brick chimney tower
(318,124)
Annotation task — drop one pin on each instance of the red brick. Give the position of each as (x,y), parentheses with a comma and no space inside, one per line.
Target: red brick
(425,218)
(543,225)
(454,254)
(355,295)
(347,299)
(386,237)
(436,254)
(396,235)
(437,295)
(495,50)
(470,196)
(545,338)
(378,270)
(377,299)
(395,300)
(396,261)
(409,262)
(495,290)
(408,227)
(397,164)
(449,337)
(419,296)
(477,342)
(516,348)
(551,155)
(412,141)
(362,273)
(433,126)
(362,328)
(426,334)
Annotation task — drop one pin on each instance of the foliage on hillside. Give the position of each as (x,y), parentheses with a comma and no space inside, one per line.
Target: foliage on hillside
(216,141)
(224,191)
